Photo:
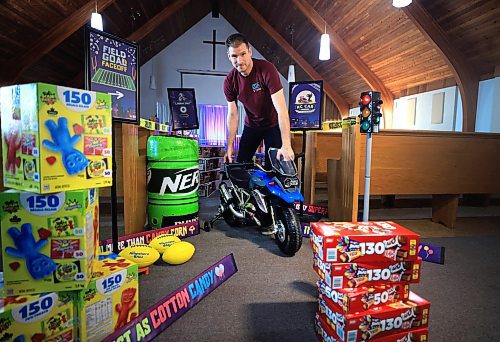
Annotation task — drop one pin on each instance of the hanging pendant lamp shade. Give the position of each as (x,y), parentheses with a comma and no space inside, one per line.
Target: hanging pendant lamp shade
(291,73)
(401,3)
(324,47)
(96,21)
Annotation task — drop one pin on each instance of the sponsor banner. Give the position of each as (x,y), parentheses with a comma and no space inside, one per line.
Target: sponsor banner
(160,316)
(314,212)
(153,126)
(431,253)
(181,230)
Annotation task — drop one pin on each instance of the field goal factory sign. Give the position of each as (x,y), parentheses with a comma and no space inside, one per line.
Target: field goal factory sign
(112,68)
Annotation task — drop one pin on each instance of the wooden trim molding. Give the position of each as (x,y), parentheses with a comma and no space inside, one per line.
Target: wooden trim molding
(14,68)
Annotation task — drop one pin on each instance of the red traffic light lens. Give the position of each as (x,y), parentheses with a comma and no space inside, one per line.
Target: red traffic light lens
(365,99)
(365,112)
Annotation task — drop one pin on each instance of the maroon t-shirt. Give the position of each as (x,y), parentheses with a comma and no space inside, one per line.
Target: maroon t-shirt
(254,92)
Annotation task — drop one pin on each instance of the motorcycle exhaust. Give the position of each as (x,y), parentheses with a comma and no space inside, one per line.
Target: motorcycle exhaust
(225,193)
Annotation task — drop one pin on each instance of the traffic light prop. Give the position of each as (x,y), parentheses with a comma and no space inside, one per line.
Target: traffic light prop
(369,106)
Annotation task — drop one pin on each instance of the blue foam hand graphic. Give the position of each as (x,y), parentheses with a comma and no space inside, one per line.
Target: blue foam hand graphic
(38,265)
(74,161)
(19,338)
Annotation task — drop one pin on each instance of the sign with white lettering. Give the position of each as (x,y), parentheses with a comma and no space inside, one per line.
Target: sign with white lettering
(182,102)
(305,103)
(111,65)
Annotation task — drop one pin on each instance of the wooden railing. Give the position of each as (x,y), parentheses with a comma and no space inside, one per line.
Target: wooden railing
(442,164)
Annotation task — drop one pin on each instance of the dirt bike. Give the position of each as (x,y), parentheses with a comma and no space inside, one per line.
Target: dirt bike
(264,198)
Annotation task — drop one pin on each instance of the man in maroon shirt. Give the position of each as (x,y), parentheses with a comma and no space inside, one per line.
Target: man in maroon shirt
(256,84)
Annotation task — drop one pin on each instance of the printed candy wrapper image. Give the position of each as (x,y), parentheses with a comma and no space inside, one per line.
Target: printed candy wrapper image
(55,138)
(110,301)
(325,333)
(45,317)
(49,242)
(342,275)
(360,299)
(363,241)
(378,323)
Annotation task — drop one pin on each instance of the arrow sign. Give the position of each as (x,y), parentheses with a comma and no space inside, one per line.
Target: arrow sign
(118,94)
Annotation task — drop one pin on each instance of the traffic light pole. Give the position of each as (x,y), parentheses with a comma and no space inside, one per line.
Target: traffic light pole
(368,163)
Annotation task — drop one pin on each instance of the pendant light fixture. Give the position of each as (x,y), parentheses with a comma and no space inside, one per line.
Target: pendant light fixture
(96,19)
(152,80)
(291,67)
(324,46)
(401,3)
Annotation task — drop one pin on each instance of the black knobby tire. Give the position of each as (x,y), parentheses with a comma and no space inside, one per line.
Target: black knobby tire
(292,240)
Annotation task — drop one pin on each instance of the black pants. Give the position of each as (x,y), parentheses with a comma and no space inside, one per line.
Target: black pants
(251,139)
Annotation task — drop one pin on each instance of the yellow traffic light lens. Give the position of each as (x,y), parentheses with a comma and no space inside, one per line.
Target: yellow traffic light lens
(365,112)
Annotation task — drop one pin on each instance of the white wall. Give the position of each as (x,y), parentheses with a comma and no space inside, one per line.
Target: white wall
(423,121)
(188,52)
(488,109)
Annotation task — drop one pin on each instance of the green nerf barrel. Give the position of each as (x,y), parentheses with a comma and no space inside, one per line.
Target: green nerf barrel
(173,179)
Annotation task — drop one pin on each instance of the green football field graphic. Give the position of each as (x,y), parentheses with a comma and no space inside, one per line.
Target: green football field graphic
(114,79)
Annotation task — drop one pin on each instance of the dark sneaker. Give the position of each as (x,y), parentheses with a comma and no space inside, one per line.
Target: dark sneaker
(269,230)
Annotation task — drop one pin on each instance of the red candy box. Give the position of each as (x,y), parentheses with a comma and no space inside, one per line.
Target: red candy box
(374,241)
(378,324)
(341,275)
(350,300)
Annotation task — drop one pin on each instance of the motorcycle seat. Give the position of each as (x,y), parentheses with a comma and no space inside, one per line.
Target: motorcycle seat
(239,176)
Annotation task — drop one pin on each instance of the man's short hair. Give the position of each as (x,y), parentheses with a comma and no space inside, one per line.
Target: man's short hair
(236,40)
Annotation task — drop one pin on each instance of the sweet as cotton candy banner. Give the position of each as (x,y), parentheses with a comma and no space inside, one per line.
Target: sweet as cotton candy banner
(160,316)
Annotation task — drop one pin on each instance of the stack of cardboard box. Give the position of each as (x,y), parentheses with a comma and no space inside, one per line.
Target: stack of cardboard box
(365,272)
(57,150)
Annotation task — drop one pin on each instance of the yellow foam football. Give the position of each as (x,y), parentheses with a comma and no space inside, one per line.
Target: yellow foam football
(161,242)
(143,255)
(178,253)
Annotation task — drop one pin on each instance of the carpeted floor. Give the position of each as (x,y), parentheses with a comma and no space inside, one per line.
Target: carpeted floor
(273,298)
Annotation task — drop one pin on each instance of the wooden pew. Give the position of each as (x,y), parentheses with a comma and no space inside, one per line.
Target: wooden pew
(442,164)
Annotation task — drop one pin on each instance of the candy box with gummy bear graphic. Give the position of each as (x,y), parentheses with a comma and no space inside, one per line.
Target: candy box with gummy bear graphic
(47,317)
(354,299)
(110,301)
(48,241)
(363,241)
(342,275)
(55,138)
(377,322)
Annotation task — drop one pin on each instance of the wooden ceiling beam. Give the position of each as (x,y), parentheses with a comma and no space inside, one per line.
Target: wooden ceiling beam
(329,90)
(144,30)
(154,22)
(466,78)
(350,57)
(14,68)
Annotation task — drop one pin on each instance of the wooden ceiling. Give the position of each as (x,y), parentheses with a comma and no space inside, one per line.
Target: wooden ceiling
(430,44)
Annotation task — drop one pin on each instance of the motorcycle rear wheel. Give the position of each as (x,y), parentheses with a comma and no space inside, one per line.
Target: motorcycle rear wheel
(230,218)
(288,237)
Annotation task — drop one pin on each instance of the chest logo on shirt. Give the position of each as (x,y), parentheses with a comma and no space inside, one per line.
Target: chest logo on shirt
(256,87)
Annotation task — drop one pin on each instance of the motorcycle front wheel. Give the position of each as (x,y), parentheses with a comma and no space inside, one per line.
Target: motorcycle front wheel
(288,236)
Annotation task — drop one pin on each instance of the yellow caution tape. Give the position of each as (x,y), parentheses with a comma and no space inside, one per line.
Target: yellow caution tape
(153,126)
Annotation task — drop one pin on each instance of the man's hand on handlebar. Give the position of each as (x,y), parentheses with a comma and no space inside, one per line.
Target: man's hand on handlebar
(228,157)
(286,152)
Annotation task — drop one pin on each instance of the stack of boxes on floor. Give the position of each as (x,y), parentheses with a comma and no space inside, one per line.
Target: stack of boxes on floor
(57,150)
(210,162)
(365,270)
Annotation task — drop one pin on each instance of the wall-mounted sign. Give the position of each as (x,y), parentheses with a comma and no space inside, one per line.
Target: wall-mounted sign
(182,104)
(112,67)
(305,103)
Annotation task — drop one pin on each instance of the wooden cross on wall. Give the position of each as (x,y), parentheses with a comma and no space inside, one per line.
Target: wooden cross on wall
(214,43)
